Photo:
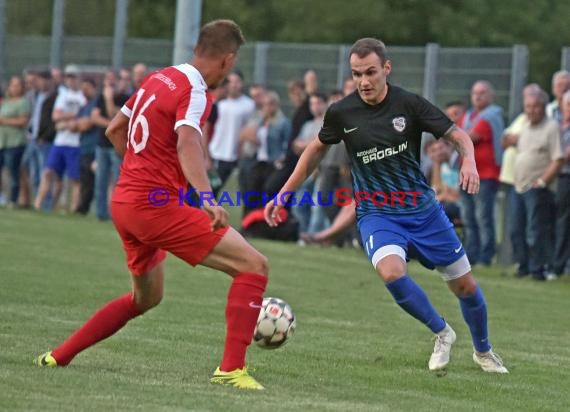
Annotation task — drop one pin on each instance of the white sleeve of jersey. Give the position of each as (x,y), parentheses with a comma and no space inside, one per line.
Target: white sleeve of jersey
(195,111)
(126,111)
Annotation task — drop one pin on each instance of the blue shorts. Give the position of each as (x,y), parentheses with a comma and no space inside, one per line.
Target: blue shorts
(428,237)
(64,159)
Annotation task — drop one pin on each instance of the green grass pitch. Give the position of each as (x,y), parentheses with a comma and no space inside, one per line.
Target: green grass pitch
(354,349)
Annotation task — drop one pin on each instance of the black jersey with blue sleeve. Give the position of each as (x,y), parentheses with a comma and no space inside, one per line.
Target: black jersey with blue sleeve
(383,142)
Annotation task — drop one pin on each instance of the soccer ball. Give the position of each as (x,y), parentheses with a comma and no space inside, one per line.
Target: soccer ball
(275,325)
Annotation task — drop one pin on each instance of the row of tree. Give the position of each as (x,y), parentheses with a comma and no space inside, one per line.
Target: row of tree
(540,24)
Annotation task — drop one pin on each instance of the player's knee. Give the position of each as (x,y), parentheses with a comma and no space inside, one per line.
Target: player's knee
(148,302)
(463,286)
(261,265)
(391,268)
(391,275)
(467,290)
(250,261)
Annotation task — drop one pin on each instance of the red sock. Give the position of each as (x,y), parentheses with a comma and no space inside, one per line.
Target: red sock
(244,301)
(105,322)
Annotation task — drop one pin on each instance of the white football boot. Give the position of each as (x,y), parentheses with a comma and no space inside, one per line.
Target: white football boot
(489,362)
(442,348)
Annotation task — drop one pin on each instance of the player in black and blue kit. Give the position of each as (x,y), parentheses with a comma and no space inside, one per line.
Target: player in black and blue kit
(397,213)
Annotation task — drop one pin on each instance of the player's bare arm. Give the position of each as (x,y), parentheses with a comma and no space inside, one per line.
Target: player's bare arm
(307,163)
(191,158)
(117,133)
(206,131)
(468,175)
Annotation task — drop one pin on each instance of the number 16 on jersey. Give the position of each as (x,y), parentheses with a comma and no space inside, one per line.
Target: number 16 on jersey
(139,120)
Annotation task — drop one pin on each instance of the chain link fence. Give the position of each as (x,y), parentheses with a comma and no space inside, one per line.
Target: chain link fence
(438,73)
(446,75)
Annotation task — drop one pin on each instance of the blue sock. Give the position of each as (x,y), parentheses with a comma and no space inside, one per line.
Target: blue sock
(413,300)
(474,311)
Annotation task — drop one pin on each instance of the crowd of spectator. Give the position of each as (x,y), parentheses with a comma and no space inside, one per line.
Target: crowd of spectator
(529,160)
(52,125)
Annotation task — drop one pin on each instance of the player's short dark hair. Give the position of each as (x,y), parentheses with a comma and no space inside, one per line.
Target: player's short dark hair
(368,45)
(219,37)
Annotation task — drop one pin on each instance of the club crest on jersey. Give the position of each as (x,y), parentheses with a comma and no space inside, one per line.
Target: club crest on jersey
(399,123)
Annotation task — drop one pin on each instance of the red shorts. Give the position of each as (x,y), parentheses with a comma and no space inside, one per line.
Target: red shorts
(149,232)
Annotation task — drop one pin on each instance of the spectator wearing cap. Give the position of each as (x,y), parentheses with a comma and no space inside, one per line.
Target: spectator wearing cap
(65,154)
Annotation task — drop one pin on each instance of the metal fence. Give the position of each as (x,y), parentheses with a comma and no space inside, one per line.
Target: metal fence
(34,51)
(440,74)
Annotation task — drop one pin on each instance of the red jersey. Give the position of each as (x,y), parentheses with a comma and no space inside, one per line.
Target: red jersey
(484,151)
(166,100)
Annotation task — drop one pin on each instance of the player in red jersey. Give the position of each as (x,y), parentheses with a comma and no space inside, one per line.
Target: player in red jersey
(158,131)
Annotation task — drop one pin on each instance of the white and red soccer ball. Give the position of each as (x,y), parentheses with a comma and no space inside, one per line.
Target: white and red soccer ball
(275,325)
